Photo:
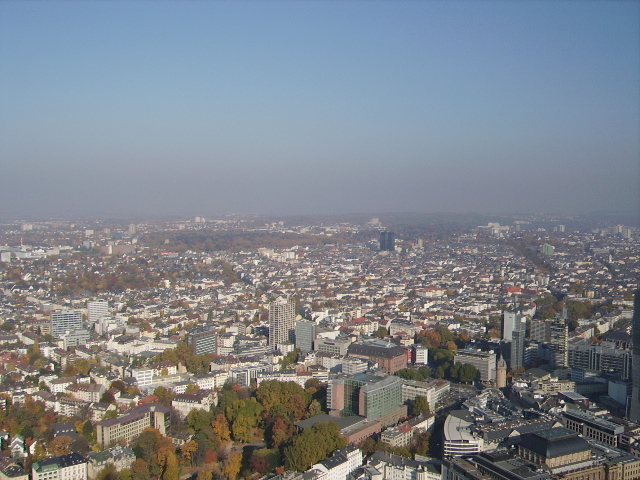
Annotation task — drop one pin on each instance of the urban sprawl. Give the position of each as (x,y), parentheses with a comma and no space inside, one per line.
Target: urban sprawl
(301,349)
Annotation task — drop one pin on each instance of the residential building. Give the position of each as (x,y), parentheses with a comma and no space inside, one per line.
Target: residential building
(282,316)
(65,467)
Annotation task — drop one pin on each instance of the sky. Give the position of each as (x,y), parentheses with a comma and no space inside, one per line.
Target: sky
(207,108)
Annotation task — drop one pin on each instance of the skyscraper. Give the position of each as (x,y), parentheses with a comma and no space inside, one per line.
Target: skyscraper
(634,411)
(282,321)
(387,241)
(517,349)
(305,335)
(560,342)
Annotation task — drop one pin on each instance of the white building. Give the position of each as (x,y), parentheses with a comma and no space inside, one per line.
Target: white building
(458,437)
(65,467)
(339,465)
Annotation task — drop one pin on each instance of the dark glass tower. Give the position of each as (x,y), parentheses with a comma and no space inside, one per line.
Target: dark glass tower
(387,241)
(634,411)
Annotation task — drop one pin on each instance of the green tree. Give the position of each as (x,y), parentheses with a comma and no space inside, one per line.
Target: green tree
(314,444)
(381,332)
(410,374)
(419,406)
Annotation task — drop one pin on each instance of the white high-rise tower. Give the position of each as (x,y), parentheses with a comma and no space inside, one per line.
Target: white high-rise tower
(282,321)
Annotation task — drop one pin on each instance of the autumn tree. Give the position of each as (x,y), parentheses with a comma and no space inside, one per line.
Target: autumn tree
(231,465)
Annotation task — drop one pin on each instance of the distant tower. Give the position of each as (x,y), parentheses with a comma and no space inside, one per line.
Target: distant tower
(501,373)
(282,321)
(387,241)
(634,412)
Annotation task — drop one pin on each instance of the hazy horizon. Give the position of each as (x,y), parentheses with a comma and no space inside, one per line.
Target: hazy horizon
(132,109)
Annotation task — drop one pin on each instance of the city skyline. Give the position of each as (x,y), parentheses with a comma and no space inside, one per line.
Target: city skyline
(211,108)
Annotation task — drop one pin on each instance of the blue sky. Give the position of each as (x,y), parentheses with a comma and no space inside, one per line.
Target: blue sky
(207,108)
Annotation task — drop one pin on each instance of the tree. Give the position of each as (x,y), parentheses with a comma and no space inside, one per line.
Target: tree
(188,450)
(419,406)
(107,397)
(409,374)
(381,332)
(164,395)
(192,388)
(232,464)
(171,467)
(314,444)
(140,470)
(60,445)
(221,427)
(421,442)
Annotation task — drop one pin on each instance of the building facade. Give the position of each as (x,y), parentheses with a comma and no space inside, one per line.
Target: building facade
(65,321)
(282,317)
(485,362)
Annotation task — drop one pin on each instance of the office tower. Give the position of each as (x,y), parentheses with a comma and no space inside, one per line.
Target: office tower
(97,310)
(305,335)
(559,342)
(517,349)
(548,250)
(387,241)
(634,412)
(65,321)
(364,394)
(282,318)
(510,321)
(203,340)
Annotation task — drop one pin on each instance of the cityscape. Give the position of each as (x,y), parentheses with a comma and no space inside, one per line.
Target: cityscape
(280,348)
(319,240)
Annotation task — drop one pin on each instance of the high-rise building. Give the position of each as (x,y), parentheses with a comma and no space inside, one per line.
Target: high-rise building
(282,320)
(512,321)
(364,394)
(541,330)
(387,241)
(305,335)
(97,310)
(65,321)
(517,349)
(634,411)
(560,342)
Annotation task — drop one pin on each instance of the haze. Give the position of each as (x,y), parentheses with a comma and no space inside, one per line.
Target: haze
(207,108)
